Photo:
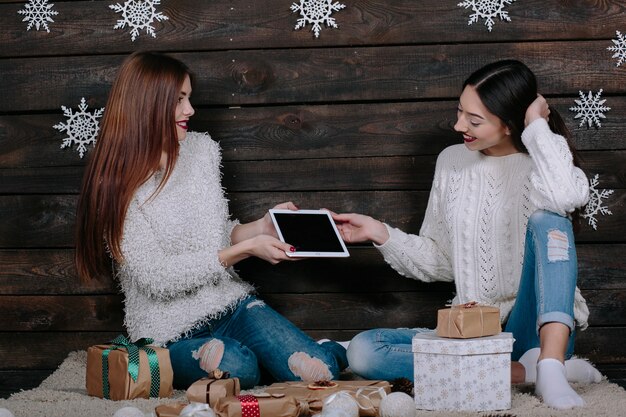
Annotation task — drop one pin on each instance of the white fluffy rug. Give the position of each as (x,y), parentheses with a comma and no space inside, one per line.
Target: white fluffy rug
(63,394)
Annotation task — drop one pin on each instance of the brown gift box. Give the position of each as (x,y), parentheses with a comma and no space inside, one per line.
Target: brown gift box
(469,320)
(263,405)
(121,385)
(169,410)
(208,390)
(368,394)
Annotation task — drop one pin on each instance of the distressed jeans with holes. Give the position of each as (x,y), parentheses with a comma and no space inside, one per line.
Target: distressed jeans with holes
(251,337)
(546,294)
(548,282)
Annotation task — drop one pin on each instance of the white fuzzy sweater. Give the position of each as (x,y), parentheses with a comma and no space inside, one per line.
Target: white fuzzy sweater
(475,223)
(171,277)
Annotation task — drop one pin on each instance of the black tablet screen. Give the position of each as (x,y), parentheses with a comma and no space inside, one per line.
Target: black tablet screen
(308,232)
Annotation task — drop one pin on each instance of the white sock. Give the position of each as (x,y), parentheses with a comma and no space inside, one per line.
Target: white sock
(577,370)
(552,386)
(529,361)
(319,342)
(581,370)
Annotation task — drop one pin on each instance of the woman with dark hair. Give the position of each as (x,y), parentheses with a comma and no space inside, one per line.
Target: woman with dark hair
(498,224)
(153,205)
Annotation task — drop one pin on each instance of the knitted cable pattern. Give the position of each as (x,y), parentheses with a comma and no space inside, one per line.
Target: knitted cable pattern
(475,223)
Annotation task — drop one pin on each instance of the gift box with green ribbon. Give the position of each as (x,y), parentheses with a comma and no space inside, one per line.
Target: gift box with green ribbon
(123,370)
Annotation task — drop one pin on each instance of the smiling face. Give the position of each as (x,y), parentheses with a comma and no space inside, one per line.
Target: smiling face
(482,131)
(184,110)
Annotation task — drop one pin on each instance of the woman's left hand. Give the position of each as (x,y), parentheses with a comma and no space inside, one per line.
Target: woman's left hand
(267,226)
(538,109)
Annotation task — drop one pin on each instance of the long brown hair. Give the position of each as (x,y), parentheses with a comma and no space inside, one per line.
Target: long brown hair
(137,127)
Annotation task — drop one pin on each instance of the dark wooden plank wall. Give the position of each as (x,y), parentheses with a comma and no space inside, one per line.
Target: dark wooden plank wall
(352,121)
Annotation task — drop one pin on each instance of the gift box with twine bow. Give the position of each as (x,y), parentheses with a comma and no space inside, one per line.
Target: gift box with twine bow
(468,320)
(123,370)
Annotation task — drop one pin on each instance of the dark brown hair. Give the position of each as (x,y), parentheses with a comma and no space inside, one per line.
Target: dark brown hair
(137,127)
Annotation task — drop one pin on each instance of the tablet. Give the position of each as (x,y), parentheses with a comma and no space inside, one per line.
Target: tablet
(312,232)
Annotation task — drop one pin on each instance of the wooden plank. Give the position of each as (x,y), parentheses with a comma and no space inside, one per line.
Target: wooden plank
(303,132)
(194,25)
(46,221)
(14,380)
(45,350)
(51,272)
(323,174)
(341,310)
(61,313)
(293,75)
(45,271)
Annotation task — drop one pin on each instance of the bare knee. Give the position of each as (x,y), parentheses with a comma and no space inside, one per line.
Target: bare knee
(309,368)
(209,355)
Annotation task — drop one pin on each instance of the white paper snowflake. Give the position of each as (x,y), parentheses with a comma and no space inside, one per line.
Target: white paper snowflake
(316,12)
(590,109)
(82,127)
(619,48)
(594,206)
(38,13)
(138,14)
(487,9)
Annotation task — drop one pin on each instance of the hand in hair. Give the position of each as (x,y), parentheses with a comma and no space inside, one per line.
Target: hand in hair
(538,109)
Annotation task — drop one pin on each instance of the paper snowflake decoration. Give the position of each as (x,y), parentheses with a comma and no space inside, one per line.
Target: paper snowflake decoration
(594,206)
(316,12)
(138,14)
(590,109)
(619,48)
(487,9)
(82,127)
(38,13)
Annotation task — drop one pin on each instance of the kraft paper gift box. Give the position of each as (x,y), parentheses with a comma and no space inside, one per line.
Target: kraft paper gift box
(169,410)
(367,393)
(260,405)
(468,320)
(462,374)
(124,371)
(209,390)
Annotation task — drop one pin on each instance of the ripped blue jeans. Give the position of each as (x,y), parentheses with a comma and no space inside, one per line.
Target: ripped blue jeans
(548,283)
(251,337)
(546,294)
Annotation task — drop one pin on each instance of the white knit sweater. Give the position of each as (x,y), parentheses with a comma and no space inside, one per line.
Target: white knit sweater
(171,277)
(475,223)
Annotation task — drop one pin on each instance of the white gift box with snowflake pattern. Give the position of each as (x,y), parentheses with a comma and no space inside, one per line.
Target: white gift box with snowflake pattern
(462,374)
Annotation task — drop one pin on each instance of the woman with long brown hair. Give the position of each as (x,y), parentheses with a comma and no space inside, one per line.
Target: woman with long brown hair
(152,205)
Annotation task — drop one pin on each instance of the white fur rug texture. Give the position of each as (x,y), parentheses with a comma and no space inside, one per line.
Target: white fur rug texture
(63,394)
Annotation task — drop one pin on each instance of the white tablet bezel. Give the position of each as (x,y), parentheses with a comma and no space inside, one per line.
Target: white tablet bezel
(344,253)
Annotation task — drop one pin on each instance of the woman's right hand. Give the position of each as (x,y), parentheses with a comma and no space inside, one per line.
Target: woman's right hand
(270,249)
(356,228)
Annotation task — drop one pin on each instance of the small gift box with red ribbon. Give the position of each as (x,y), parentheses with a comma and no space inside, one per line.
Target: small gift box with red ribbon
(209,390)
(468,320)
(261,405)
(123,370)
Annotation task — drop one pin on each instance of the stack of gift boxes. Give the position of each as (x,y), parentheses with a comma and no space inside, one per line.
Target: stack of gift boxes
(465,366)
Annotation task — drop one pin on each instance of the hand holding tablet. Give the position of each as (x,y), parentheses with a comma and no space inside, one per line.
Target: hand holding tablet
(312,232)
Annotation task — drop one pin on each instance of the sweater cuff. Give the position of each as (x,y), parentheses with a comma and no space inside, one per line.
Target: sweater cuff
(393,244)
(534,130)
